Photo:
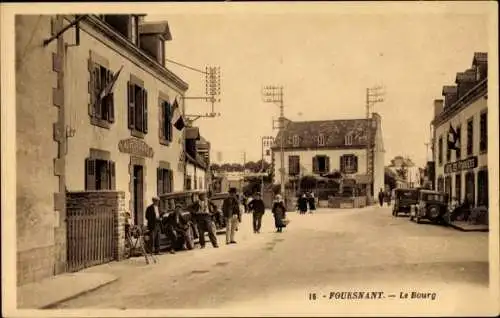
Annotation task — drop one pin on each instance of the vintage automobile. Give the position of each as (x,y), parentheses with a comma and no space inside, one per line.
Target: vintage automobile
(183,198)
(403,200)
(431,205)
(216,201)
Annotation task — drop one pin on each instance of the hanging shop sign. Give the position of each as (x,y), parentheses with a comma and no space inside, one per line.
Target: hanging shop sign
(136,147)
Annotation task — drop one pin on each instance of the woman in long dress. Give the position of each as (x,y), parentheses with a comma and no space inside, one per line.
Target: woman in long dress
(302,203)
(279,212)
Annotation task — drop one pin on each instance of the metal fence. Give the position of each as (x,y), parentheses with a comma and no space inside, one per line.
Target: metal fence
(90,237)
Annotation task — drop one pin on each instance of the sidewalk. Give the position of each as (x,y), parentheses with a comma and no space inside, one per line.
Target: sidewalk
(54,290)
(466,227)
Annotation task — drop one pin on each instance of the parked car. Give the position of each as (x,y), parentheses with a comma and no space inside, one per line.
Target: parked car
(403,200)
(183,198)
(431,205)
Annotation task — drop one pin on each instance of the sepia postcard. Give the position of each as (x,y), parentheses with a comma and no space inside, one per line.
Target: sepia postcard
(250,159)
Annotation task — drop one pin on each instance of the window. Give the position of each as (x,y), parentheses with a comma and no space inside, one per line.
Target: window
(99,174)
(469,187)
(348,140)
(321,140)
(195,183)
(321,164)
(448,152)
(458,187)
(293,165)
(458,151)
(447,186)
(200,182)
(296,140)
(482,188)
(119,22)
(165,120)
(101,110)
(440,184)
(188,182)
(165,181)
(349,164)
(470,137)
(483,132)
(440,150)
(137,108)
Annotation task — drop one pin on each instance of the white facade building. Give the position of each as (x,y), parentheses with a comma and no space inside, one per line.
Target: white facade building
(460,145)
(322,147)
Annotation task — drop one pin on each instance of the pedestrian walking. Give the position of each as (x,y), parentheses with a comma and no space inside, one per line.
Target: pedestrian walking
(312,202)
(154,225)
(381,197)
(387,197)
(232,213)
(279,212)
(257,207)
(203,219)
(302,203)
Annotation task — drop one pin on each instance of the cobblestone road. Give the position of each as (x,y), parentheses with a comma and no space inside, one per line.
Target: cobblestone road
(329,251)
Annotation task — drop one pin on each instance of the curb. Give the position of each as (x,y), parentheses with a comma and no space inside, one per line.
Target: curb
(83,292)
(456,227)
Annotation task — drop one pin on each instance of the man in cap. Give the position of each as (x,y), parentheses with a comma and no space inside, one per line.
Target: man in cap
(232,213)
(258,209)
(153,218)
(178,230)
(203,218)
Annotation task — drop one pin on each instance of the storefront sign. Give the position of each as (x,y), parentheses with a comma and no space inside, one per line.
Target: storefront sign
(136,147)
(466,164)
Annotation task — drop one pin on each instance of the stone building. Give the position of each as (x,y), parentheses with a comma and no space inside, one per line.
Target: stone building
(411,175)
(197,160)
(79,132)
(318,148)
(460,135)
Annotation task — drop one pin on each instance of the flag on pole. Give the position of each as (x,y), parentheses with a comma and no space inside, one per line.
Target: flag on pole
(177,118)
(109,86)
(453,139)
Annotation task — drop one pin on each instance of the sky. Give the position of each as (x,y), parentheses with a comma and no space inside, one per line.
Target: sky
(325,59)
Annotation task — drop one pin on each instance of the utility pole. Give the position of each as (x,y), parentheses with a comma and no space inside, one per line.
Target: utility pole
(373,95)
(266,141)
(274,94)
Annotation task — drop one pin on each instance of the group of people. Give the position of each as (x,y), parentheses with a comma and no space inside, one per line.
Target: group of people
(177,224)
(306,201)
(385,196)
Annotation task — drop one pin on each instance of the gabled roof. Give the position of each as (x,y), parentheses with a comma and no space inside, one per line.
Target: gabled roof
(160,28)
(334,132)
(449,90)
(467,76)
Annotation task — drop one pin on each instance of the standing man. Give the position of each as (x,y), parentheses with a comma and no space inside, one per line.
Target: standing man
(154,223)
(201,212)
(232,213)
(381,197)
(258,209)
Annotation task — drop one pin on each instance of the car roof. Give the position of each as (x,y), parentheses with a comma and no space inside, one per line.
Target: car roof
(405,189)
(177,194)
(219,195)
(430,192)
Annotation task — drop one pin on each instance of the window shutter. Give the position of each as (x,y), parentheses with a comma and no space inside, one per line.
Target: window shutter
(161,120)
(131,105)
(315,164)
(355,159)
(90,172)
(327,164)
(159,179)
(145,112)
(342,163)
(91,85)
(97,90)
(168,124)
(112,174)
(170,181)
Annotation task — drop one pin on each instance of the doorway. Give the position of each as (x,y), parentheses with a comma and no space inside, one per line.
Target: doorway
(138,194)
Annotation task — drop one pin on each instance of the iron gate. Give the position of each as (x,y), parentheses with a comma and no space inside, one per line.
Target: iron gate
(90,238)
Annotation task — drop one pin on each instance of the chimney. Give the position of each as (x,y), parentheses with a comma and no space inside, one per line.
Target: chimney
(450,94)
(465,81)
(438,107)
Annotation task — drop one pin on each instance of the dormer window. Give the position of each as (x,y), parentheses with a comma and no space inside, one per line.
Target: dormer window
(321,140)
(348,140)
(119,22)
(296,140)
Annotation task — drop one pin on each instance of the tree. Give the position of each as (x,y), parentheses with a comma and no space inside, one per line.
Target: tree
(390,178)
(403,171)
(215,167)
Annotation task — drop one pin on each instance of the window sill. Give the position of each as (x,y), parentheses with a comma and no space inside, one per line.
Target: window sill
(138,134)
(100,122)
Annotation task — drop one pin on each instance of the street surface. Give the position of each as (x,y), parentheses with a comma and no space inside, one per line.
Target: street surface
(305,269)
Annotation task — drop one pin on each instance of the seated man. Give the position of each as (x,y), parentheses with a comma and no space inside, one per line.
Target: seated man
(178,227)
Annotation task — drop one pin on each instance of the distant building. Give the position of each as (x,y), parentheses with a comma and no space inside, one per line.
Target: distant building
(412,174)
(460,135)
(197,160)
(318,148)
